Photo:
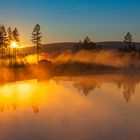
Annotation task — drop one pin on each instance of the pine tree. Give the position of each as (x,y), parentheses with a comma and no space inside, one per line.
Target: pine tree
(10,39)
(16,38)
(86,44)
(86,40)
(89,45)
(36,38)
(3,41)
(129,44)
(10,34)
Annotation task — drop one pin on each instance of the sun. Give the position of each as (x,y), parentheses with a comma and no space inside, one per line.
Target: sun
(14,44)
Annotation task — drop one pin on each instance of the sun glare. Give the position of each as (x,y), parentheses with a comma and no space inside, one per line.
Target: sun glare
(14,44)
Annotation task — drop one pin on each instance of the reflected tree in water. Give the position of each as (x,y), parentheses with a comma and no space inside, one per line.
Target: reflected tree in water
(15,101)
(8,103)
(11,100)
(128,84)
(35,102)
(86,87)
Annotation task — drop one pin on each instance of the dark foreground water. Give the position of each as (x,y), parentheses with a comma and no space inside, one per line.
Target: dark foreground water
(99,107)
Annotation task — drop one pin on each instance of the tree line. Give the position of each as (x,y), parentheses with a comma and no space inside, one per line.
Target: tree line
(7,37)
(10,43)
(87,44)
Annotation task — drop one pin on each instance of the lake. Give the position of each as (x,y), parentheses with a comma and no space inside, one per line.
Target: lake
(100,107)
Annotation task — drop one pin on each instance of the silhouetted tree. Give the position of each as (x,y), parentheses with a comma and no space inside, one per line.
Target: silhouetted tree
(10,39)
(87,44)
(16,38)
(36,38)
(3,41)
(129,44)
(9,32)
(86,40)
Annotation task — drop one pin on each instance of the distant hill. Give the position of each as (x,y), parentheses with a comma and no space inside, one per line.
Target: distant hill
(49,48)
(67,46)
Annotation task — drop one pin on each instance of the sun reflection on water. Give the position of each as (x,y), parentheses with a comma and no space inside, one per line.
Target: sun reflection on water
(17,94)
(87,107)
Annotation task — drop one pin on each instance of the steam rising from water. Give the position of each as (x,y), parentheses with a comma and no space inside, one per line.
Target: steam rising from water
(105,57)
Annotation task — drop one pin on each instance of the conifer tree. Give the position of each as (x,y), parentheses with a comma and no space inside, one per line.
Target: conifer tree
(129,44)
(3,41)
(10,39)
(36,38)
(16,38)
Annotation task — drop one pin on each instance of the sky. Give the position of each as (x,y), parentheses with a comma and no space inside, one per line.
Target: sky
(72,20)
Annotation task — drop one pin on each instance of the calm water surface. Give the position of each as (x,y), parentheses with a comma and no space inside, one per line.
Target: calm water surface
(105,107)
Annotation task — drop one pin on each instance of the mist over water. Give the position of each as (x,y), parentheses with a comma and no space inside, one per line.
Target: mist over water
(82,62)
(69,90)
(65,97)
(104,57)
(89,107)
